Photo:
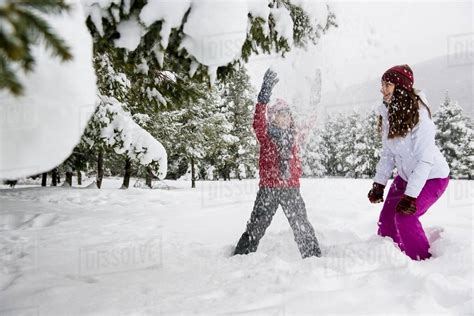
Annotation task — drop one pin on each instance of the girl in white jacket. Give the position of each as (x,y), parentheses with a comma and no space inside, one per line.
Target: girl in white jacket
(408,141)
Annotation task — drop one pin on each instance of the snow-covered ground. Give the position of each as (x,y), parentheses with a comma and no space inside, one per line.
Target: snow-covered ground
(167,251)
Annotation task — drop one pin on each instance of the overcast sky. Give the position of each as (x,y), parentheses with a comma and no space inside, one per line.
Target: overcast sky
(371,37)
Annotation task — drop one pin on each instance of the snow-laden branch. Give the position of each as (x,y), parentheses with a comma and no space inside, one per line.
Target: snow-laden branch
(126,137)
(214,33)
(39,129)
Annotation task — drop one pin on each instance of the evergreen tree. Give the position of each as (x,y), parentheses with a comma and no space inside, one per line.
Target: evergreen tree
(195,136)
(337,141)
(329,139)
(21,28)
(346,146)
(239,98)
(117,84)
(454,137)
(468,157)
(161,47)
(365,146)
(351,145)
(158,81)
(314,154)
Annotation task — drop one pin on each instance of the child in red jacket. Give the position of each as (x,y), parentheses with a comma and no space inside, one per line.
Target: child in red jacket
(280,171)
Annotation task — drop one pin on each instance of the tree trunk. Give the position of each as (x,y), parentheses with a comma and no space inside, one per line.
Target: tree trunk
(44,179)
(128,172)
(100,168)
(69,176)
(11,183)
(193,174)
(79,177)
(149,177)
(54,177)
(226,173)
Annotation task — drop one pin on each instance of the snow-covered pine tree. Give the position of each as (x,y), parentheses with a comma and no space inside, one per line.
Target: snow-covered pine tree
(172,33)
(314,154)
(454,137)
(351,143)
(346,146)
(111,79)
(468,157)
(195,134)
(116,84)
(339,141)
(21,28)
(92,149)
(329,140)
(150,65)
(238,102)
(115,128)
(367,143)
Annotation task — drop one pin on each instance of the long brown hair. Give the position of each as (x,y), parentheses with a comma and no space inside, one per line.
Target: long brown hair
(403,112)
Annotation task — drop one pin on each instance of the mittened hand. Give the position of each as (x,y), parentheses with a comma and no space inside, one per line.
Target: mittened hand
(376,193)
(270,79)
(407,205)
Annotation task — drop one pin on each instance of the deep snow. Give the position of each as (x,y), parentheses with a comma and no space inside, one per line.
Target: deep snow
(166,251)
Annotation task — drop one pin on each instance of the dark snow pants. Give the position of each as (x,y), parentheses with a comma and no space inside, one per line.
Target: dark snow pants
(265,207)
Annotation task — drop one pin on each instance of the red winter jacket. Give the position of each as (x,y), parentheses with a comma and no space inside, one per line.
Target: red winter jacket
(269,158)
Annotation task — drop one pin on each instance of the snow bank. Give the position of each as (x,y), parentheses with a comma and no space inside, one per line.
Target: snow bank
(190,271)
(39,129)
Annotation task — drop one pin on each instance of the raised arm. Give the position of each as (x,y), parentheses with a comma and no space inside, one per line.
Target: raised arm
(259,120)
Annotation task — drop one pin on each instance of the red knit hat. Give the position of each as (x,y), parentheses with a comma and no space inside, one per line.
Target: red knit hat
(400,75)
(278,106)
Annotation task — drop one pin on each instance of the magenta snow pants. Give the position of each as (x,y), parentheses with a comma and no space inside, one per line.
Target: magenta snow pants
(406,230)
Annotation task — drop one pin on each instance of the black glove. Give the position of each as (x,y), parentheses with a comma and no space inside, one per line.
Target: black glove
(407,205)
(376,193)
(269,81)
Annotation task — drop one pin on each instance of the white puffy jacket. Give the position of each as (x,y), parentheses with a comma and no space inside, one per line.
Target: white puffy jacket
(416,155)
